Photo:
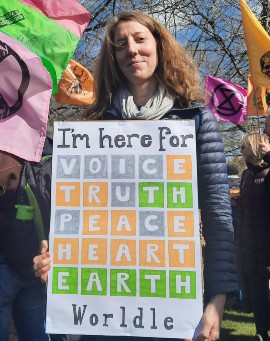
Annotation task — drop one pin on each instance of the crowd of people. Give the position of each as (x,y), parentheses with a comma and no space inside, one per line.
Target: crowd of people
(143,73)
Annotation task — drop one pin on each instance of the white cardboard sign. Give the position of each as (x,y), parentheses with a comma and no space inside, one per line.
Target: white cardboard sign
(124,235)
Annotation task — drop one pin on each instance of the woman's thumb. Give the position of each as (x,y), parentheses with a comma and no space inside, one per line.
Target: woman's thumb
(43,246)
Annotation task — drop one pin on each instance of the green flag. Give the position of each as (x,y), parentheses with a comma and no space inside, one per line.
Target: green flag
(53,43)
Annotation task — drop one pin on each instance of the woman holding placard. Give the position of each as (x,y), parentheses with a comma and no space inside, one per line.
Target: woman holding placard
(143,73)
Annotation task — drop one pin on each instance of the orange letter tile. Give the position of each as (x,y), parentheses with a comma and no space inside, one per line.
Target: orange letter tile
(94,251)
(123,223)
(179,167)
(95,194)
(123,252)
(68,194)
(66,251)
(152,253)
(95,222)
(182,254)
(180,224)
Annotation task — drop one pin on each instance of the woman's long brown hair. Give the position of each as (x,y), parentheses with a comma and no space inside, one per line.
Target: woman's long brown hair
(176,69)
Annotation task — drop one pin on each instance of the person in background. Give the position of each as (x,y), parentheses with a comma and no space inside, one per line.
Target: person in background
(264,147)
(22,299)
(253,233)
(143,73)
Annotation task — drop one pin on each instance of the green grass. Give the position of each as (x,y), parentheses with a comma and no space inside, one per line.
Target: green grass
(237,326)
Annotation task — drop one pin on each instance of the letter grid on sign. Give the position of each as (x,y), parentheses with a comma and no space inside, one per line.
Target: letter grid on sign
(124,230)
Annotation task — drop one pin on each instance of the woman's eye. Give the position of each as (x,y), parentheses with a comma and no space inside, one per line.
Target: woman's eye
(141,39)
(120,46)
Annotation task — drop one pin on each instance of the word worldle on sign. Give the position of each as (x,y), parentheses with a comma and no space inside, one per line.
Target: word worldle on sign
(124,238)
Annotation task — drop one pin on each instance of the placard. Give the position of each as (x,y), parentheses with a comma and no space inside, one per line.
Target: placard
(124,238)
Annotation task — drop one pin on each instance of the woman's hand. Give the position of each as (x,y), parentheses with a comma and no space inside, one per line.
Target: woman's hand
(42,263)
(212,318)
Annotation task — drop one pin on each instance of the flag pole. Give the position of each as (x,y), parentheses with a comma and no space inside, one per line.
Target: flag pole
(257,109)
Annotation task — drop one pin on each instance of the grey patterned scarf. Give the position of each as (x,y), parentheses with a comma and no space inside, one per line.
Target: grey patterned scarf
(154,109)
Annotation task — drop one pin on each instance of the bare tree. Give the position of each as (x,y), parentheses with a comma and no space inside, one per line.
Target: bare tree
(211,30)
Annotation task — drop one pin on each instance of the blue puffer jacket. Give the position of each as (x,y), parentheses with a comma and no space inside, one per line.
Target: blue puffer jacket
(214,200)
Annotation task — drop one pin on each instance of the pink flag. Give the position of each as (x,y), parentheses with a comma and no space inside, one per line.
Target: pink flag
(25,92)
(68,13)
(228,101)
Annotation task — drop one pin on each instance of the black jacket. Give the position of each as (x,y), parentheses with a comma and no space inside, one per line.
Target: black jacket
(10,175)
(214,199)
(253,229)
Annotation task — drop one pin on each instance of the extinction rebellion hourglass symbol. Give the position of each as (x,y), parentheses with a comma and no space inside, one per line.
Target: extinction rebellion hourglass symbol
(11,103)
(227,101)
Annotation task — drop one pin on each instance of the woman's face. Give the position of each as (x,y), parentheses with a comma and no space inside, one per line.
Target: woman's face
(136,52)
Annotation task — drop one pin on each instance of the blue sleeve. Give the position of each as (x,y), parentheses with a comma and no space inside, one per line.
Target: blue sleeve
(214,202)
